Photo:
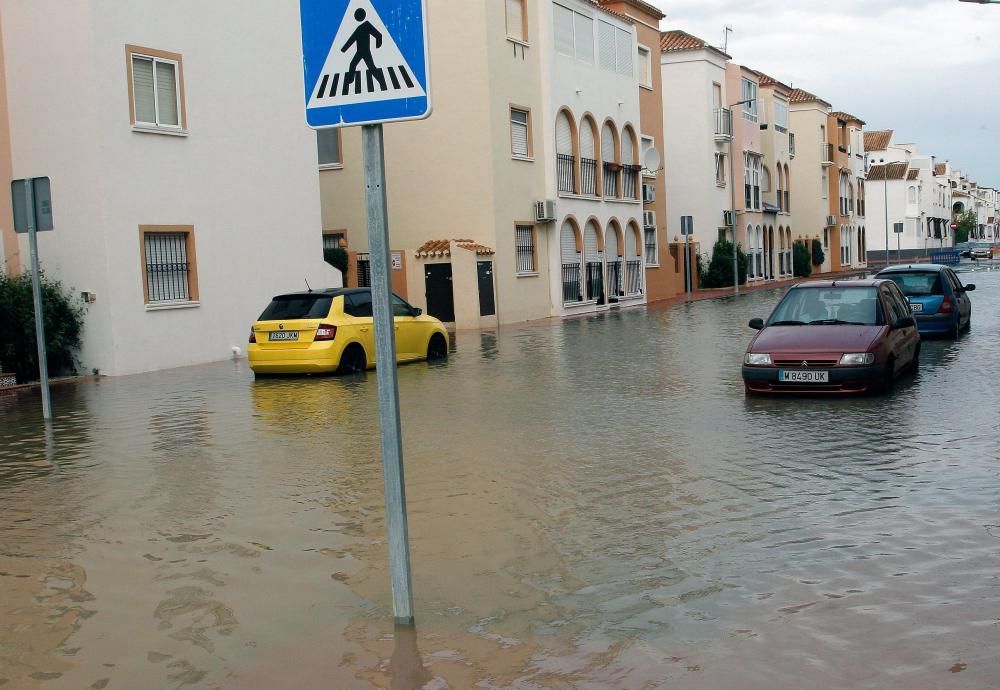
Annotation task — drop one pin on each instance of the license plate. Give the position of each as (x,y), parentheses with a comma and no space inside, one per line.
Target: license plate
(804,376)
(916,307)
(282,336)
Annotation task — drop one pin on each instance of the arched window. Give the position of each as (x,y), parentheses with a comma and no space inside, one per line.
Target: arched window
(609,160)
(571,256)
(766,179)
(912,194)
(565,153)
(593,257)
(633,260)
(613,254)
(750,249)
(788,191)
(630,170)
(588,156)
(850,197)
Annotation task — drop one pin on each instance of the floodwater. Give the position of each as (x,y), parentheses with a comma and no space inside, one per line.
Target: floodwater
(593,504)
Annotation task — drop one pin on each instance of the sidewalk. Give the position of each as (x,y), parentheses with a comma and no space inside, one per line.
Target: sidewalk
(716,293)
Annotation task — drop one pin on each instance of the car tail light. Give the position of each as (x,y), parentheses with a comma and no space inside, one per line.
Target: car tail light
(253,336)
(947,305)
(325,332)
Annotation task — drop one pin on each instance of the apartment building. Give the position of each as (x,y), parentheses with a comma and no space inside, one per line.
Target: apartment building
(778,144)
(175,219)
(846,142)
(525,195)
(748,170)
(810,175)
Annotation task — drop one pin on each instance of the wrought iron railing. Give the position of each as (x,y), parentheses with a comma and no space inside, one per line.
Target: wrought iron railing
(588,176)
(633,277)
(571,283)
(167,267)
(610,171)
(614,287)
(595,281)
(364,270)
(630,181)
(565,173)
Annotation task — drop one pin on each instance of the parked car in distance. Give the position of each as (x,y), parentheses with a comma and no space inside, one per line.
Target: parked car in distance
(981,252)
(937,297)
(844,336)
(327,331)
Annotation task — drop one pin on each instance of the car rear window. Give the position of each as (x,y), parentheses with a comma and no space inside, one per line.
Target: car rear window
(917,283)
(297,307)
(856,305)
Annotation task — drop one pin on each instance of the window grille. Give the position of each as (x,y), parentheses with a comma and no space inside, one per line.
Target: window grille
(167,267)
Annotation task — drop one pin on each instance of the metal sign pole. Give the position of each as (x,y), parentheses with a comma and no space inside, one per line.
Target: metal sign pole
(36,292)
(687,266)
(388,386)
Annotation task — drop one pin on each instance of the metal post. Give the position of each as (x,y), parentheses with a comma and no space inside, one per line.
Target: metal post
(885,198)
(687,266)
(732,198)
(899,251)
(388,386)
(36,292)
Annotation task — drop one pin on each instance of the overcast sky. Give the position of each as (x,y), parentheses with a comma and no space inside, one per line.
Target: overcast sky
(928,69)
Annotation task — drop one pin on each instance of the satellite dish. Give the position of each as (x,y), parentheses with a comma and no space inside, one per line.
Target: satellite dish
(651,161)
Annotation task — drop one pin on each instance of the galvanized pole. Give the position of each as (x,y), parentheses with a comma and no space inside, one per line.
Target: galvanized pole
(688,278)
(388,386)
(36,292)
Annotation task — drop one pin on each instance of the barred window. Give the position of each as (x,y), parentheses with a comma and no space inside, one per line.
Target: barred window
(334,240)
(649,233)
(525,240)
(364,270)
(168,266)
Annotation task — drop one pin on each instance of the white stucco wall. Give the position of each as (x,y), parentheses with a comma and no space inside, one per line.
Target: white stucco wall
(245,176)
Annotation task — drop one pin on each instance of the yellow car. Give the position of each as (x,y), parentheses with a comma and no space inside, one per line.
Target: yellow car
(327,331)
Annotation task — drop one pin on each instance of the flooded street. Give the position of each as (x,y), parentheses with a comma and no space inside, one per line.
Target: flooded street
(593,504)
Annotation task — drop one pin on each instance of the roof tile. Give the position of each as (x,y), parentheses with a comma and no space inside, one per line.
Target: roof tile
(887,171)
(878,140)
(677,40)
(803,96)
(847,117)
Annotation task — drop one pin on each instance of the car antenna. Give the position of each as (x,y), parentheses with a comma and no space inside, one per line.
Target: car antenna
(307,284)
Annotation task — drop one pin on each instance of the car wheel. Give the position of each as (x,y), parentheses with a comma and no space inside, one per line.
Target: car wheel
(437,348)
(915,366)
(352,361)
(954,331)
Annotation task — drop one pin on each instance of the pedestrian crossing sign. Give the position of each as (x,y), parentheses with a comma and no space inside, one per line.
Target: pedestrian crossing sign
(365,61)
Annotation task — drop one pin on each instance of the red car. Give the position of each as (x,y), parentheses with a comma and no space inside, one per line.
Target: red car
(847,336)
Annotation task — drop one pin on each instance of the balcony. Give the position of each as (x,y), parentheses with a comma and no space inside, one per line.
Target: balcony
(588,173)
(826,154)
(723,124)
(572,288)
(630,181)
(610,171)
(791,145)
(566,173)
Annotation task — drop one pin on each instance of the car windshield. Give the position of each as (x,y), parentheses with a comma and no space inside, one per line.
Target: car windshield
(917,283)
(828,305)
(297,307)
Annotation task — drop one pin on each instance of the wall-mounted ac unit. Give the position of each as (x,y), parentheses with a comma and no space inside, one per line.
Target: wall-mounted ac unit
(729,218)
(545,211)
(649,219)
(831,221)
(648,193)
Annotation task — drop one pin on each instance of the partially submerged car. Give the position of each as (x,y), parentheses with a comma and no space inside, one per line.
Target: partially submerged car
(852,336)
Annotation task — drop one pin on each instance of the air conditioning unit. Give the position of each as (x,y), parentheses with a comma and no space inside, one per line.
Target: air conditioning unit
(729,218)
(831,221)
(649,219)
(545,211)
(648,193)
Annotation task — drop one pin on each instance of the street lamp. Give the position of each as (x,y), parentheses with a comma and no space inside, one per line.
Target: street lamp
(732,196)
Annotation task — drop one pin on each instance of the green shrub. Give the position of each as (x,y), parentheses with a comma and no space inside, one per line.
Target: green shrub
(336,257)
(801,263)
(818,257)
(719,272)
(63,327)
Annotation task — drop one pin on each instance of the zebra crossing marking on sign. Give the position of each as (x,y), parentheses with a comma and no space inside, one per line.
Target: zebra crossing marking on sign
(374,61)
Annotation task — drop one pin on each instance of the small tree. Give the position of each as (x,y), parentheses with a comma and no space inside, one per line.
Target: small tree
(336,257)
(63,326)
(719,272)
(801,260)
(818,257)
(967,223)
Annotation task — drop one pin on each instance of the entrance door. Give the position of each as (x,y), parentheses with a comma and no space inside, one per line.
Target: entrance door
(440,298)
(487,302)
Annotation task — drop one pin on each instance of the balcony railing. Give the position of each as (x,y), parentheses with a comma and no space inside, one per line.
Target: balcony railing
(787,207)
(633,277)
(630,181)
(588,176)
(571,283)
(791,145)
(610,180)
(826,154)
(595,281)
(723,124)
(565,163)
(614,279)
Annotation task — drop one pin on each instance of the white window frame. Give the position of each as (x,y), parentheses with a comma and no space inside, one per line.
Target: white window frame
(748,89)
(527,155)
(644,60)
(720,170)
(157,125)
(338,165)
(593,32)
(653,260)
(523,38)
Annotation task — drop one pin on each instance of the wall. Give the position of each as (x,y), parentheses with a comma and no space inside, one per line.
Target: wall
(251,198)
(10,249)
(811,207)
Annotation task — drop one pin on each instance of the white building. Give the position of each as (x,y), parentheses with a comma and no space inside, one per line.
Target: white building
(183,199)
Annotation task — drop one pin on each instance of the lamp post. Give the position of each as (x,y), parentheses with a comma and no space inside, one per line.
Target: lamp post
(732,196)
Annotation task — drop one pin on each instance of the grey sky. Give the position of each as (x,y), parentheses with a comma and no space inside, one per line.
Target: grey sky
(927,69)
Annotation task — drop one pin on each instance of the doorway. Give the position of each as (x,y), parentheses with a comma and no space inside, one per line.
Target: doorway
(440,297)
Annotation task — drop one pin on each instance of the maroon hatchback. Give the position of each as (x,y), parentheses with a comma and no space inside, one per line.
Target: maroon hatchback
(848,336)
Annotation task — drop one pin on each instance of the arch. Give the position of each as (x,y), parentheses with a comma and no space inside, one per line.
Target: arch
(629,146)
(588,137)
(769,256)
(567,152)
(635,242)
(593,242)
(570,239)
(614,242)
(610,142)
(566,137)
(590,175)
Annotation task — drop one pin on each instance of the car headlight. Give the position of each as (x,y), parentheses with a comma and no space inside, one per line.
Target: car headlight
(758,359)
(857,358)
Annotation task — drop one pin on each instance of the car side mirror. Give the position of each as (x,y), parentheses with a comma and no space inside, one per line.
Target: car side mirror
(417,311)
(969,288)
(756,324)
(905,322)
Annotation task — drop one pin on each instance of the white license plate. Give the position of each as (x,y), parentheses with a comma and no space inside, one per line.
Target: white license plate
(916,307)
(804,376)
(282,336)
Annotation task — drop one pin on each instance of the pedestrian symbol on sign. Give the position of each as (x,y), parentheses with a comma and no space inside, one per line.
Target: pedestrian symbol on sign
(364,63)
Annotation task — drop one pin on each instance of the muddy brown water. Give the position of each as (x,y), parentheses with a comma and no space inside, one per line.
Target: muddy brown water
(593,504)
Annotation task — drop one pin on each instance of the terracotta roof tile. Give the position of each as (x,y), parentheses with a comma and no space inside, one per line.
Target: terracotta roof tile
(887,171)
(912,174)
(847,117)
(677,40)
(878,140)
(641,6)
(940,168)
(442,248)
(803,96)
(479,249)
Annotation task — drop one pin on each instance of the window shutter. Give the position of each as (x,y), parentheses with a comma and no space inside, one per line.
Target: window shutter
(611,244)
(567,242)
(142,88)
(328,145)
(630,244)
(645,69)
(564,135)
(166,93)
(563,19)
(623,44)
(515,19)
(588,147)
(590,246)
(628,148)
(519,132)
(584,26)
(606,45)
(607,145)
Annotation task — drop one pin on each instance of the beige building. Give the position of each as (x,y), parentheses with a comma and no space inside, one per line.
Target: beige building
(811,176)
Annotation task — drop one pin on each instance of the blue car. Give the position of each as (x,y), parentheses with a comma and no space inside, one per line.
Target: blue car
(937,297)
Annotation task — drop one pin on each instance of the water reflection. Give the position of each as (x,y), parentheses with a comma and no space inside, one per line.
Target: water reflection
(593,503)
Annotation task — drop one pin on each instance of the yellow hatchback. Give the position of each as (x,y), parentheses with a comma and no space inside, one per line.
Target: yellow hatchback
(327,331)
